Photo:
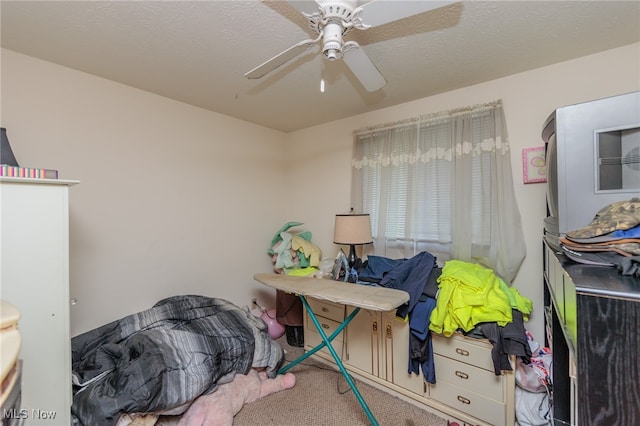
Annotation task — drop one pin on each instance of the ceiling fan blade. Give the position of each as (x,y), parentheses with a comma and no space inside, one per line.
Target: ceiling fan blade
(379,12)
(280,59)
(362,67)
(305,6)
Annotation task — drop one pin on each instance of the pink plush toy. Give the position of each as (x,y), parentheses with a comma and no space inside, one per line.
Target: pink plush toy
(219,408)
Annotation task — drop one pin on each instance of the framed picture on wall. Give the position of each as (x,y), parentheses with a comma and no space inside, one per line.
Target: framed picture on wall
(534,169)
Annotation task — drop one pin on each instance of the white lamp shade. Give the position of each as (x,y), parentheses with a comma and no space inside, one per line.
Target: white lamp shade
(352,229)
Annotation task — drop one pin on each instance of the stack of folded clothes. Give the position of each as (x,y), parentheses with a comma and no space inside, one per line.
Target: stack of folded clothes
(612,238)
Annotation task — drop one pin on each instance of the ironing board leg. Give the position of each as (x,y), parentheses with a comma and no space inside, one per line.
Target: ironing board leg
(321,345)
(326,342)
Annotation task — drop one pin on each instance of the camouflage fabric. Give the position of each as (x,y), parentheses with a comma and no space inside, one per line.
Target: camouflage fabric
(616,216)
(632,248)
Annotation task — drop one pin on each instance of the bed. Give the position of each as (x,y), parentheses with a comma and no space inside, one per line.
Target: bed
(160,360)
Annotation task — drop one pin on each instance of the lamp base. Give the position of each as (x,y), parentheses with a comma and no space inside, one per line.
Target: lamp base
(352,258)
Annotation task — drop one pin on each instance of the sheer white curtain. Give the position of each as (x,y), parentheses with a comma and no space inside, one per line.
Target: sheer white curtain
(441,183)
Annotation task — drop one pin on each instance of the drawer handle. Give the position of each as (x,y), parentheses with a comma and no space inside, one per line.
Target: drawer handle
(325,326)
(325,309)
(462,352)
(462,375)
(464,400)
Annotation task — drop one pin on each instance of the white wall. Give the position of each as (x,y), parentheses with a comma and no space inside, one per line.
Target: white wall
(175,199)
(323,177)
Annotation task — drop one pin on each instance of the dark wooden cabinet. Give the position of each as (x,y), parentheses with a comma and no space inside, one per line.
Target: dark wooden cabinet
(592,319)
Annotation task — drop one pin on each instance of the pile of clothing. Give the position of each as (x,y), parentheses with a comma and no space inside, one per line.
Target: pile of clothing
(289,250)
(292,253)
(533,386)
(611,239)
(459,297)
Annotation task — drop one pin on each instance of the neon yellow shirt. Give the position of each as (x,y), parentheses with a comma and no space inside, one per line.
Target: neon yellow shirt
(470,294)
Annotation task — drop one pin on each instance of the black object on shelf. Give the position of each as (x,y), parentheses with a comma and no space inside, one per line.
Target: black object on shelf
(6,154)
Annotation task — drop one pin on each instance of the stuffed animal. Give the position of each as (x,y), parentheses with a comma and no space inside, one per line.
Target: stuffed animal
(219,408)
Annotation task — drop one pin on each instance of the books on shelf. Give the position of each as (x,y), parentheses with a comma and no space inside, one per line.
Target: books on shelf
(27,172)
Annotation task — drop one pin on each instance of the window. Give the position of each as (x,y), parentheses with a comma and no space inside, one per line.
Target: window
(441,183)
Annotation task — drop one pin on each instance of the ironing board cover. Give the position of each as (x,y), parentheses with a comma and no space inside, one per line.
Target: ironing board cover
(372,298)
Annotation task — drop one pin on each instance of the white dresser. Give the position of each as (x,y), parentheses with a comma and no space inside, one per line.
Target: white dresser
(34,277)
(375,348)
(466,380)
(10,366)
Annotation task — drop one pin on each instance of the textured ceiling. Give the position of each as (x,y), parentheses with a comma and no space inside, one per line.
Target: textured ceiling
(197,52)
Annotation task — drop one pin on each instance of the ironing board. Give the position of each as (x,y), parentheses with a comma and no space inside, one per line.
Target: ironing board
(372,298)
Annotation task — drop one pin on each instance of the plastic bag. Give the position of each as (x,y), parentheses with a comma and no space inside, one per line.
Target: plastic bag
(531,377)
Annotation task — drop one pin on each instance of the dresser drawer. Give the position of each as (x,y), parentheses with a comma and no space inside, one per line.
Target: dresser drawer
(476,352)
(326,309)
(471,403)
(312,338)
(471,378)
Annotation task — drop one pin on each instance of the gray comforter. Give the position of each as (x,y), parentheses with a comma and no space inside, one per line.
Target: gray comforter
(161,359)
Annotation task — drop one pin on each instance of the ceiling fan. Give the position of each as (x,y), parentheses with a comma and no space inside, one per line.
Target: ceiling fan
(332,19)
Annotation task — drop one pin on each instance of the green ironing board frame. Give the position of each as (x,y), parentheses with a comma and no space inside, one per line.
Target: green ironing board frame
(359,296)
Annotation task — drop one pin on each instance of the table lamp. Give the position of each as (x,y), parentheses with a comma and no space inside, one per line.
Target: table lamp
(352,229)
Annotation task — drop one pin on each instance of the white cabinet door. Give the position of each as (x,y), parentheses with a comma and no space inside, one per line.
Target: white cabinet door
(363,337)
(378,345)
(34,259)
(397,355)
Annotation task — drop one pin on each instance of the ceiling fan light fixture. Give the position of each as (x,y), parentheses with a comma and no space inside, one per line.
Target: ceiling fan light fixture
(332,41)
(341,9)
(332,51)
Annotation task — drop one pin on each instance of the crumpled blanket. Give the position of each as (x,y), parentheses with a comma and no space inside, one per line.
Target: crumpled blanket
(161,359)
